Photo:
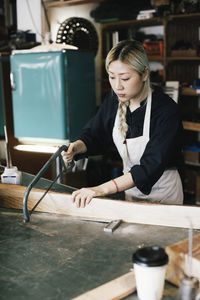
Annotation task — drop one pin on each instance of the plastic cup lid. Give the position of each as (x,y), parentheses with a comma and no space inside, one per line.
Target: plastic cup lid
(150,256)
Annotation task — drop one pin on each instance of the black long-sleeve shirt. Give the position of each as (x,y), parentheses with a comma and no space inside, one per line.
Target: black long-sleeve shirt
(164,149)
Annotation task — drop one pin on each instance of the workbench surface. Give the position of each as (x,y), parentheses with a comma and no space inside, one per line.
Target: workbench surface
(58,257)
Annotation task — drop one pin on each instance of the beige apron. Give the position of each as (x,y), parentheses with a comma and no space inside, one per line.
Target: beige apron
(168,189)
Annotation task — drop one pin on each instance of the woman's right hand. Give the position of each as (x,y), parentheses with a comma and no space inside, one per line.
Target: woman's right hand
(69,154)
(73,149)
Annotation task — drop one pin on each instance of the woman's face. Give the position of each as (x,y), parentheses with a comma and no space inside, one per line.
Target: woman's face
(125,81)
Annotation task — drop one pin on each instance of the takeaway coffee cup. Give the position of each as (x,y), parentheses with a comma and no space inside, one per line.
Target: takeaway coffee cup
(149,265)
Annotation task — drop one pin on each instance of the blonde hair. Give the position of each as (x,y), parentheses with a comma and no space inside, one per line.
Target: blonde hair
(132,53)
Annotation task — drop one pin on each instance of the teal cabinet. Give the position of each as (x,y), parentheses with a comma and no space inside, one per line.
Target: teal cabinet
(53,93)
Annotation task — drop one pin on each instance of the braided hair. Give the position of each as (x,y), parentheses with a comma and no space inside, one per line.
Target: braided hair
(132,53)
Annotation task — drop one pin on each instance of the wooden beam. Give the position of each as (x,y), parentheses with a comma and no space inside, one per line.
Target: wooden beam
(113,290)
(11,196)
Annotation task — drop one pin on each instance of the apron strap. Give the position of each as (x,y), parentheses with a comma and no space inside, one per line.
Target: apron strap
(146,126)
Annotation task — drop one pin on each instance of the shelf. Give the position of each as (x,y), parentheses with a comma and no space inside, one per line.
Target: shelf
(191,126)
(181,17)
(187,91)
(193,58)
(151,21)
(191,163)
(69,3)
(138,23)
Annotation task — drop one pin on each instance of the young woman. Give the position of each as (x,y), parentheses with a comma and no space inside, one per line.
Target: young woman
(144,125)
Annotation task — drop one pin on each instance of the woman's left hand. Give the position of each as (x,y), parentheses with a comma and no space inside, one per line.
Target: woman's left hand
(83,196)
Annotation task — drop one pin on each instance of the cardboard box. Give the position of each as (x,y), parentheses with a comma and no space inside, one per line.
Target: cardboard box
(192,156)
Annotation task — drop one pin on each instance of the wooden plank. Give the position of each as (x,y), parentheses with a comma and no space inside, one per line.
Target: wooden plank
(112,290)
(191,126)
(179,262)
(11,196)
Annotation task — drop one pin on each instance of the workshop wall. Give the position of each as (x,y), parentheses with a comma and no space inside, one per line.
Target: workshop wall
(29,17)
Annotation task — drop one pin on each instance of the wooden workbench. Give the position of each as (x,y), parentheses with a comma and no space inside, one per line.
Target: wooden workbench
(58,257)
(64,255)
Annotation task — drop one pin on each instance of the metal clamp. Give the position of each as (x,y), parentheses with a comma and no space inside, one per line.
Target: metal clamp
(53,158)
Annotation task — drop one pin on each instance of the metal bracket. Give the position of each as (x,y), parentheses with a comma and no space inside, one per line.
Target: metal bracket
(113,225)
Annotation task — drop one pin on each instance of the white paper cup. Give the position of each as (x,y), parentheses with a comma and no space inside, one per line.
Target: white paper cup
(149,265)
